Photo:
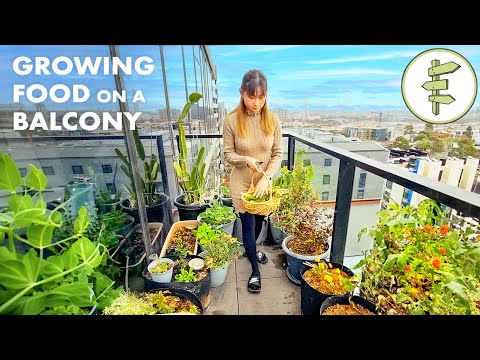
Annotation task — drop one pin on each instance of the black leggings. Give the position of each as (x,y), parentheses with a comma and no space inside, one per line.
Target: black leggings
(251,228)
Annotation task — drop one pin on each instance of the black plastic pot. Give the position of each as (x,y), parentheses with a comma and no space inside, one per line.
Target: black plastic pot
(201,288)
(185,294)
(344,300)
(155,213)
(188,212)
(311,299)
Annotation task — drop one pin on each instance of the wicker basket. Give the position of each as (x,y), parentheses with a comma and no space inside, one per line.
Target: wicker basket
(260,208)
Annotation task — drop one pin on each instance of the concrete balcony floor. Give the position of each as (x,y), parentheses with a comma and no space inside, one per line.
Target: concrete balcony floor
(279,295)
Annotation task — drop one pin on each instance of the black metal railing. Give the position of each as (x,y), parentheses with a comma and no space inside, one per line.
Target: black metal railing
(466,202)
(461,200)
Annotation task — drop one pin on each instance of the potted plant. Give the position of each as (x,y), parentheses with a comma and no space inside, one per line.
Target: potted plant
(347,305)
(225,197)
(319,281)
(181,232)
(133,247)
(106,201)
(161,270)
(190,172)
(419,264)
(155,302)
(220,250)
(218,216)
(156,203)
(65,282)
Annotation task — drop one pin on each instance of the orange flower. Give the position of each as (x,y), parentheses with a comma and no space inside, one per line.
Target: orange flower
(436,263)
(444,229)
(478,237)
(408,268)
(442,251)
(427,228)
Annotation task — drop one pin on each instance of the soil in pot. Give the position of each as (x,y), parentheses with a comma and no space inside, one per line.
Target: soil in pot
(134,248)
(183,235)
(347,305)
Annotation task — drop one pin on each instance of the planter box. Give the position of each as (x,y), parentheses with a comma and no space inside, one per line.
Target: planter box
(173,230)
(138,229)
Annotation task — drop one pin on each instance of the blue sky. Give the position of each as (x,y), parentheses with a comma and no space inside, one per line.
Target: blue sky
(317,77)
(324,76)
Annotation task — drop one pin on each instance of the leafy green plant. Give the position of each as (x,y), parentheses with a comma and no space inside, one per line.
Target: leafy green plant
(419,265)
(114,220)
(149,176)
(225,191)
(191,181)
(129,303)
(180,249)
(221,247)
(186,275)
(29,283)
(106,197)
(217,214)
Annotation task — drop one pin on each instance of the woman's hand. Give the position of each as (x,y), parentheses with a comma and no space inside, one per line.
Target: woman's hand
(261,188)
(251,163)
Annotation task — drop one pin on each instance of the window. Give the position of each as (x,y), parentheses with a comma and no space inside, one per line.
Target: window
(324,195)
(77,169)
(361,181)
(307,162)
(23,172)
(326,179)
(360,194)
(107,169)
(284,163)
(389,184)
(328,162)
(48,170)
(111,187)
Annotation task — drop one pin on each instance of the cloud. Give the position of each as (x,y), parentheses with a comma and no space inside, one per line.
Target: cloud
(384,56)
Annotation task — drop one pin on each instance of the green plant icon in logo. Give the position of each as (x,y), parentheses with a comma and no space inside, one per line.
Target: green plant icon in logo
(436,84)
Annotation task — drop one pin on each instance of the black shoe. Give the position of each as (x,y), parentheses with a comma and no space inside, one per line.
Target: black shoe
(261,257)
(254,284)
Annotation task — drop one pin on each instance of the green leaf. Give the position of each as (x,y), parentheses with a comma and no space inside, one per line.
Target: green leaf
(40,236)
(26,217)
(194,97)
(10,178)
(82,222)
(18,203)
(36,179)
(70,259)
(31,262)
(15,275)
(53,266)
(5,254)
(108,297)
(2,236)
(139,145)
(360,264)
(84,248)
(392,258)
(401,261)
(5,218)
(418,311)
(77,293)
(28,305)
(458,289)
(401,297)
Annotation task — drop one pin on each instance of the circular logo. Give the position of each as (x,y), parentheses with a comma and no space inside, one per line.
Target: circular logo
(439,86)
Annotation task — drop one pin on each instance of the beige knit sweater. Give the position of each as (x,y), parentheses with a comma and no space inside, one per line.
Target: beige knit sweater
(257,145)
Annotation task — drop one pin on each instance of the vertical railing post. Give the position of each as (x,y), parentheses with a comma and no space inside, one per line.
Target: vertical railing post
(163,165)
(291,153)
(346,174)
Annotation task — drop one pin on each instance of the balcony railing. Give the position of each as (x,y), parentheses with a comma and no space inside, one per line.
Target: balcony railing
(468,203)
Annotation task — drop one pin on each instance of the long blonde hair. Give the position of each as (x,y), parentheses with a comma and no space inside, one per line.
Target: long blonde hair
(252,81)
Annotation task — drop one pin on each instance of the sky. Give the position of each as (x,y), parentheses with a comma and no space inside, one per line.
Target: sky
(323,77)
(300,77)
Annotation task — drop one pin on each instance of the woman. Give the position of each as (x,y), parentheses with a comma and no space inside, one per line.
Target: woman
(252,137)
